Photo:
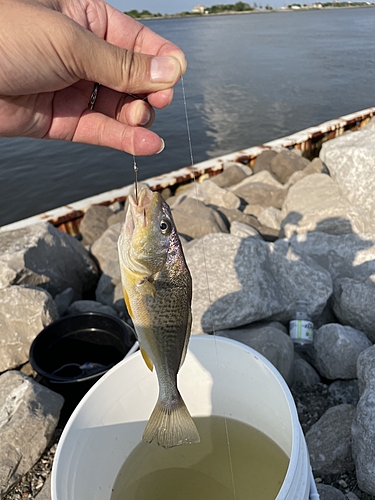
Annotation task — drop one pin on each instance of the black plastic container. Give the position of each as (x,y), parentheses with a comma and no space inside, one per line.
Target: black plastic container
(72,353)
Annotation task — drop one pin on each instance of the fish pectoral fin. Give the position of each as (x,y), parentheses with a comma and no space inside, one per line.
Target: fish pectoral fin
(187,337)
(146,287)
(147,359)
(127,302)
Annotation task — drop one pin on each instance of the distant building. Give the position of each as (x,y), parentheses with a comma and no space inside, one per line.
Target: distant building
(199,9)
(317,5)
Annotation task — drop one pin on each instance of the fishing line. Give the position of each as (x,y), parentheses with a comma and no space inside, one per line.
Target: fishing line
(195,171)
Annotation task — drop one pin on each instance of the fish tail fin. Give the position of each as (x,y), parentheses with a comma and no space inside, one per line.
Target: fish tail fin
(171,425)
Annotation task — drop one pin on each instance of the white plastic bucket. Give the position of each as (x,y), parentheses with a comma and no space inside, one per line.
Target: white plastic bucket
(219,377)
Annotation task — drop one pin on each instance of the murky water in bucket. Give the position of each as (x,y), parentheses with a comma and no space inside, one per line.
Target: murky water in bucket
(202,471)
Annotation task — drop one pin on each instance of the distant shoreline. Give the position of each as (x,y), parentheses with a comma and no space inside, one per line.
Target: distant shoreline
(231,13)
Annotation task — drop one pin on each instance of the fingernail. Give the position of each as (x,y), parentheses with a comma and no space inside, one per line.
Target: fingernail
(164,69)
(145,117)
(162,146)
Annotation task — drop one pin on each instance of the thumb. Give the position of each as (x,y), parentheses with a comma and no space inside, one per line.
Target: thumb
(124,70)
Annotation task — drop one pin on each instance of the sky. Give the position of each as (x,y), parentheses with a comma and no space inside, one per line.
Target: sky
(174,6)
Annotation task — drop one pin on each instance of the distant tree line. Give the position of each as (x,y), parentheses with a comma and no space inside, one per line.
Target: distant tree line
(330,4)
(144,13)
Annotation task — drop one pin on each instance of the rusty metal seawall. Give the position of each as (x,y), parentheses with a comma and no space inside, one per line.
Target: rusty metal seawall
(309,141)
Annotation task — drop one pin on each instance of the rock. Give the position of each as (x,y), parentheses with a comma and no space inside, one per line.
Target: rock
(194,219)
(327,492)
(116,207)
(271,217)
(211,194)
(363,428)
(294,178)
(263,177)
(41,255)
(259,193)
(82,306)
(64,299)
(263,161)
(230,176)
(255,281)
(346,256)
(350,160)
(337,348)
(326,210)
(345,391)
(315,167)
(353,303)
(230,216)
(304,373)
(329,441)
(351,496)
(45,492)
(243,230)
(117,217)
(285,163)
(105,249)
(254,210)
(94,223)
(274,344)
(109,292)
(24,312)
(29,414)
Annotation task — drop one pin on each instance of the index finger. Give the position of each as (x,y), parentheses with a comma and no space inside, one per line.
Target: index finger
(128,33)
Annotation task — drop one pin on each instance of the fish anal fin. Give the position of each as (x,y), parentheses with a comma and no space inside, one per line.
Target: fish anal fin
(171,426)
(147,359)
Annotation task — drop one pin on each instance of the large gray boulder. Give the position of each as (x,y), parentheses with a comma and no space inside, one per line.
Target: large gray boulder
(285,163)
(274,344)
(41,255)
(329,441)
(194,219)
(350,260)
(316,203)
(231,175)
(94,223)
(353,302)
(250,280)
(210,193)
(350,160)
(327,492)
(337,348)
(24,312)
(363,428)
(29,414)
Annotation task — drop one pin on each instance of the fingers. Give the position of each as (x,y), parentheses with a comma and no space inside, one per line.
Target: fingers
(101,130)
(124,108)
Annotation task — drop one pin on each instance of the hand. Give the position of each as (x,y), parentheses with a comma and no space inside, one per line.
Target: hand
(52,52)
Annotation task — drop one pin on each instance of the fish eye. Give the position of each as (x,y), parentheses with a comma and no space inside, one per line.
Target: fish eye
(165,226)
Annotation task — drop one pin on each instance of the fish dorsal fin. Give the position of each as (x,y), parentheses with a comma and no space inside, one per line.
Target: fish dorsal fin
(147,359)
(127,302)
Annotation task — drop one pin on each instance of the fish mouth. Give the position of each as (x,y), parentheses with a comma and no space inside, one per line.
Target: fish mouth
(140,207)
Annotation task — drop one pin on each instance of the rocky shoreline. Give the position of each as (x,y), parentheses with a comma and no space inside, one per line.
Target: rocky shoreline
(255,241)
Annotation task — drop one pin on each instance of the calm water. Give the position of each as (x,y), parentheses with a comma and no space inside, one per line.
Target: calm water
(251,78)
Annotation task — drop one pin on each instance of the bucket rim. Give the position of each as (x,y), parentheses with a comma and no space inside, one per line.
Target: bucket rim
(297,435)
(60,380)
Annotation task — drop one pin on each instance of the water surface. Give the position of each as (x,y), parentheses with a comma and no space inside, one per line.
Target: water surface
(251,78)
